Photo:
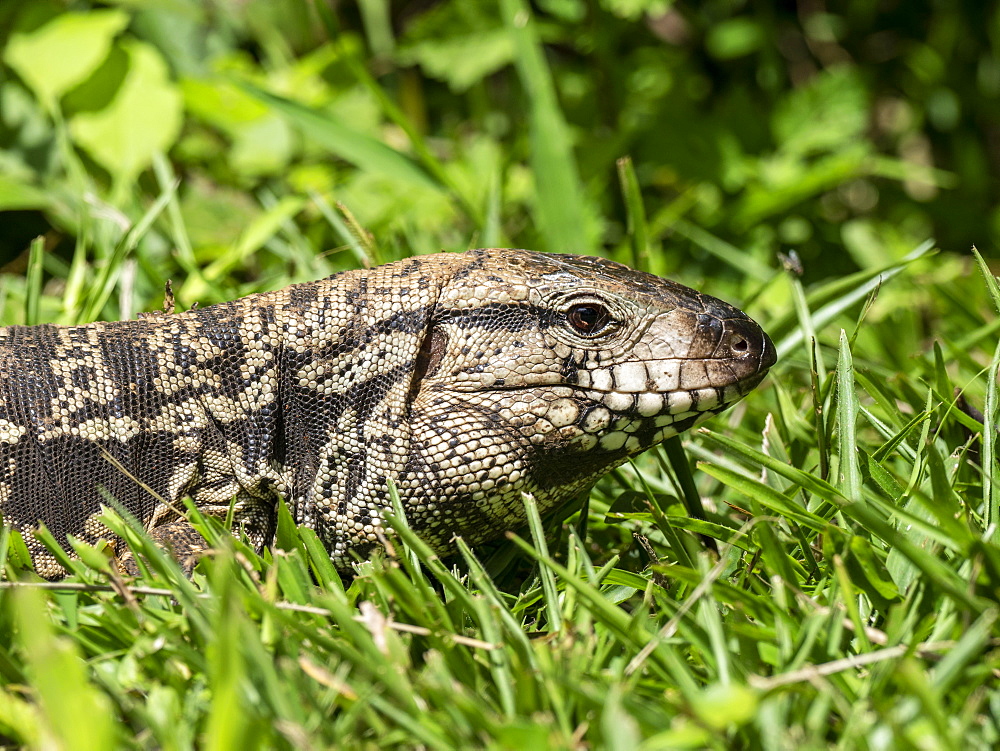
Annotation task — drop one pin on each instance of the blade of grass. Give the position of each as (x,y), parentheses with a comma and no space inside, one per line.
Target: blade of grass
(561,210)
(635,213)
(674,450)
(358,148)
(394,112)
(991,281)
(830,300)
(58,675)
(969,650)
(33,291)
(991,497)
(616,619)
(548,580)
(165,178)
(362,252)
(766,496)
(100,291)
(942,576)
(725,252)
(847,419)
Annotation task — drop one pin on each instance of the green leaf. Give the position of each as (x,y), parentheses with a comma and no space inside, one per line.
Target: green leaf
(457,42)
(734,37)
(359,149)
(64,52)
(633,10)
(143,118)
(830,111)
(464,59)
(17,196)
(263,140)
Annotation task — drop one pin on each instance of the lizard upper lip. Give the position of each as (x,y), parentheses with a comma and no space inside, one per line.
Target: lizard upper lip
(743,369)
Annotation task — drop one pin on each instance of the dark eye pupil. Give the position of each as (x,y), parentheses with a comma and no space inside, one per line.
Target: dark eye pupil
(588,318)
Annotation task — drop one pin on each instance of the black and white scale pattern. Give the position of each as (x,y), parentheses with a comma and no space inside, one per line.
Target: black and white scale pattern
(465,378)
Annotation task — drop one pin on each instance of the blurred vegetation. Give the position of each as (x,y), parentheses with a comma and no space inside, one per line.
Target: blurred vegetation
(235,146)
(847,135)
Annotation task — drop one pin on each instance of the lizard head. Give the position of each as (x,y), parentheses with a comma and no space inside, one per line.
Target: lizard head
(540,373)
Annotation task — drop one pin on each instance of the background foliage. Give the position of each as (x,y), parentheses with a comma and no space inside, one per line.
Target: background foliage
(849,136)
(239,146)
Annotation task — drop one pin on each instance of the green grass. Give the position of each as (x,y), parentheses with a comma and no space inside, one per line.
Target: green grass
(850,606)
(852,600)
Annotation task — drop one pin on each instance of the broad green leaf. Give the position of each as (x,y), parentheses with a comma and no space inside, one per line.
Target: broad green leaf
(633,10)
(831,110)
(464,59)
(143,118)
(221,103)
(457,42)
(262,139)
(64,52)
(734,37)
(263,147)
(16,195)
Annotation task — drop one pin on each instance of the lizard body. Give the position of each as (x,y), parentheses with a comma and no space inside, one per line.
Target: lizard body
(466,379)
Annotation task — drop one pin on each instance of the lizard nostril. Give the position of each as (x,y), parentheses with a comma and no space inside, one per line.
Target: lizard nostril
(740,345)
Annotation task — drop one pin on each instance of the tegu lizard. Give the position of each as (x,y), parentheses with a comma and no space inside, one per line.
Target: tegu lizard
(467,379)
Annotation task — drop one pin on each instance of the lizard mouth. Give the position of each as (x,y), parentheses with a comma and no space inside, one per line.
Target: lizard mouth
(631,406)
(723,366)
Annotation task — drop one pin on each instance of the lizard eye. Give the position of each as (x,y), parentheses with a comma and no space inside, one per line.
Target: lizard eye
(588,318)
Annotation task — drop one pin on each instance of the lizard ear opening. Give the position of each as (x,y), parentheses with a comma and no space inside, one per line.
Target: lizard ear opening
(429,357)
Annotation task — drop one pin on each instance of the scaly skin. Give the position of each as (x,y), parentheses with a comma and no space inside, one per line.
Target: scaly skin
(467,379)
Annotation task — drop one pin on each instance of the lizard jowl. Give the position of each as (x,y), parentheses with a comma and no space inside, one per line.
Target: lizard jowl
(467,379)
